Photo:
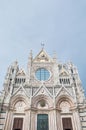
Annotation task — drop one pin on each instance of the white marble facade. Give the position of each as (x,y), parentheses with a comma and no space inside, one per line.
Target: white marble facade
(48,88)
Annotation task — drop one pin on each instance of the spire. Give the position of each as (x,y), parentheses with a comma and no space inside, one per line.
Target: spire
(54,56)
(16,62)
(30,57)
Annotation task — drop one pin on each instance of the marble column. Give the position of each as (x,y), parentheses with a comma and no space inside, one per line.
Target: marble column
(76,120)
(33,121)
(27,121)
(52,120)
(59,125)
(9,121)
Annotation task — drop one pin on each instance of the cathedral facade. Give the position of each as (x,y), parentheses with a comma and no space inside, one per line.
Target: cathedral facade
(48,96)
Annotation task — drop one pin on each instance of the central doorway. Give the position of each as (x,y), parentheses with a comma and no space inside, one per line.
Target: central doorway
(42,122)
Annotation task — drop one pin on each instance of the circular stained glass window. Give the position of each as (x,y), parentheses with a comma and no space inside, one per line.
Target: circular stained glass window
(42,74)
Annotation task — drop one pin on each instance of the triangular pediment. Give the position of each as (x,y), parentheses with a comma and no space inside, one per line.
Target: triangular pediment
(42,91)
(21,72)
(20,91)
(63,73)
(63,91)
(42,57)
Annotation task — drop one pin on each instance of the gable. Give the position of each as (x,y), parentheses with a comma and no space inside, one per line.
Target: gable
(63,72)
(63,91)
(42,91)
(42,57)
(21,73)
(20,91)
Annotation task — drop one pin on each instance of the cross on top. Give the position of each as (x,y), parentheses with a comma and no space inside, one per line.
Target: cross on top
(42,44)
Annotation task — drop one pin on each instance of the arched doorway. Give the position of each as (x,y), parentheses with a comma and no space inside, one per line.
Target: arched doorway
(66,116)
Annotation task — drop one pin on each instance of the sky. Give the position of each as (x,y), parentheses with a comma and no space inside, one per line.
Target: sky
(59,24)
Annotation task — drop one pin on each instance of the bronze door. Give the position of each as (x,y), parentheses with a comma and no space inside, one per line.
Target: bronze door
(42,122)
(18,123)
(67,124)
